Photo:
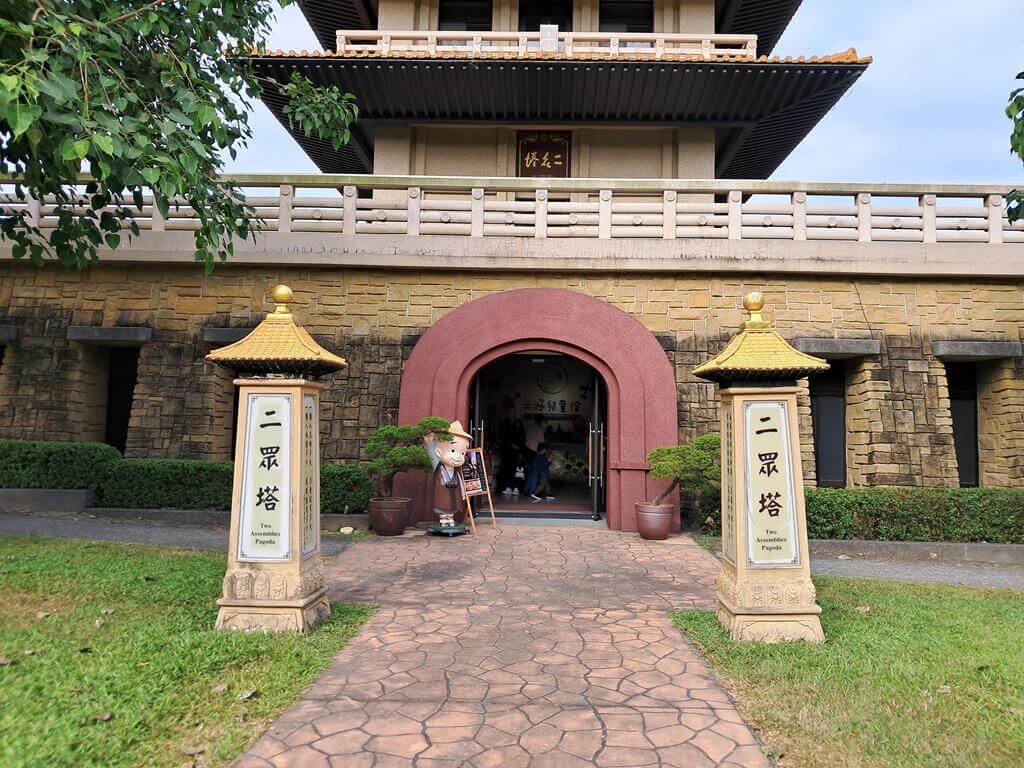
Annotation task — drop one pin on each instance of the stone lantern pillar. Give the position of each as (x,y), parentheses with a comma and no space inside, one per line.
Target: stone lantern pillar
(275,575)
(764,592)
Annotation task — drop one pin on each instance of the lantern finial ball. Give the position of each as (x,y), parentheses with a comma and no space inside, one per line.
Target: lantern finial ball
(282,294)
(753,301)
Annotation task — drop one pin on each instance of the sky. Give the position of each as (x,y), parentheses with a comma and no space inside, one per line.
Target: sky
(930,107)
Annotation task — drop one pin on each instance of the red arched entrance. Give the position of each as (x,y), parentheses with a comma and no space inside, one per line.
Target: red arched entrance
(642,409)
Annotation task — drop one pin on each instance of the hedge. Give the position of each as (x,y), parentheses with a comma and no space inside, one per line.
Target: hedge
(917,514)
(913,514)
(166,484)
(53,464)
(344,488)
(154,483)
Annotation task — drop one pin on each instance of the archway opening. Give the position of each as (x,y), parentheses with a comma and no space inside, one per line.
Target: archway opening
(641,388)
(542,418)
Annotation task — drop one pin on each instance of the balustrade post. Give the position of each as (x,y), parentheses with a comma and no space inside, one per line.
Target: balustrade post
(348,210)
(736,215)
(995,218)
(340,42)
(668,215)
(476,214)
(705,49)
(659,48)
(385,45)
(928,225)
(33,211)
(284,208)
(613,45)
(156,222)
(864,217)
(540,214)
(752,50)
(799,215)
(412,212)
(432,44)
(604,215)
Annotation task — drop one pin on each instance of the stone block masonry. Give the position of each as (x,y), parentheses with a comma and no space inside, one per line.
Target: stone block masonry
(898,417)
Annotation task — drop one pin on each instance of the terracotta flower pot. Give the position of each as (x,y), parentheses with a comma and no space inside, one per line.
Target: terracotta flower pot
(388,516)
(654,521)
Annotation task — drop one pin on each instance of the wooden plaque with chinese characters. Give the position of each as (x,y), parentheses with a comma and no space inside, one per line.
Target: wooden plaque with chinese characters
(264,525)
(543,154)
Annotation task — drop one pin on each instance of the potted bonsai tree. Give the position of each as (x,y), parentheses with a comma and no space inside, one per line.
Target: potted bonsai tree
(694,468)
(394,449)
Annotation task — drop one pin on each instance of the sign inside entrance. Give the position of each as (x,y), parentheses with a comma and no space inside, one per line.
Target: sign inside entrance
(473,479)
(543,154)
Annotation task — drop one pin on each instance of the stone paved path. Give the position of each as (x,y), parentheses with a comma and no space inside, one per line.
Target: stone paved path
(522,647)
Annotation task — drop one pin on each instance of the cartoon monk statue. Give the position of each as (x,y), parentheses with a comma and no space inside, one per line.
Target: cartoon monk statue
(447,458)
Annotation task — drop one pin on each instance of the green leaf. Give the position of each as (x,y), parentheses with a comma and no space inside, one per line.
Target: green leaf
(11,85)
(113,240)
(21,116)
(151,175)
(103,143)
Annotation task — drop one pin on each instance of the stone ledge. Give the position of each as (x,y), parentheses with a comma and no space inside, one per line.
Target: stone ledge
(224,335)
(61,502)
(212,518)
(975,351)
(838,349)
(8,334)
(110,336)
(920,551)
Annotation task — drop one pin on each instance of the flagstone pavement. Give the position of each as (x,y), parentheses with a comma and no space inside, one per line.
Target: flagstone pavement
(521,646)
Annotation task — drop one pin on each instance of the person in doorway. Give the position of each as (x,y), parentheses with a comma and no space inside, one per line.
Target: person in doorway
(511,455)
(539,483)
(535,433)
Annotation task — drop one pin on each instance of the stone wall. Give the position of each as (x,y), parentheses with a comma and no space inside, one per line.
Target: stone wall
(898,406)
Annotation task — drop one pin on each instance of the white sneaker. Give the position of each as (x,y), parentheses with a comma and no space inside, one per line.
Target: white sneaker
(515,491)
(507,492)
(549,498)
(535,497)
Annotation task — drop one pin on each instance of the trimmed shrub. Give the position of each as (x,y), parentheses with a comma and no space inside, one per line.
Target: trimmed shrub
(917,514)
(913,514)
(344,488)
(166,484)
(54,464)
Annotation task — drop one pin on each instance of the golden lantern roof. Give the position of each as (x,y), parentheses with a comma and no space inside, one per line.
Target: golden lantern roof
(758,353)
(278,345)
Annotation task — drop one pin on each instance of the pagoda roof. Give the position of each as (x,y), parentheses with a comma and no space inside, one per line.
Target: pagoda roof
(758,353)
(765,18)
(278,345)
(760,109)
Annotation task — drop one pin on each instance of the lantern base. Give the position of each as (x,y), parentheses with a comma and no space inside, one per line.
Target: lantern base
(274,615)
(760,625)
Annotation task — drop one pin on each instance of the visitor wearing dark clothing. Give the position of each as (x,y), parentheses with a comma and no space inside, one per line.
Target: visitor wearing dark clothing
(538,485)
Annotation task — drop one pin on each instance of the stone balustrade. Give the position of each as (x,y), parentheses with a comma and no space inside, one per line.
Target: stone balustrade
(358,42)
(600,209)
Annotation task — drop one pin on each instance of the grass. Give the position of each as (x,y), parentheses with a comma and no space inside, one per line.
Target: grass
(910,675)
(126,670)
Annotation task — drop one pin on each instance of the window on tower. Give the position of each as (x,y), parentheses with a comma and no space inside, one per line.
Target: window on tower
(828,415)
(465,15)
(963,405)
(626,16)
(533,13)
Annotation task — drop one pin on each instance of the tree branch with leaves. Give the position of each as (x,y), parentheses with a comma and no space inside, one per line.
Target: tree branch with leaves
(1015,111)
(138,97)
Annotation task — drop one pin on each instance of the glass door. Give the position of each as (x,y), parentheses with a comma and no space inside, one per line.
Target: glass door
(597,449)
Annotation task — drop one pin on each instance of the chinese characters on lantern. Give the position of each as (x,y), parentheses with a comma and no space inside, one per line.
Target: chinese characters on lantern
(771,511)
(264,524)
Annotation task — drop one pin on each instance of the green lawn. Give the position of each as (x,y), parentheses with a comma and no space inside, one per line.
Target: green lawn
(910,675)
(126,670)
